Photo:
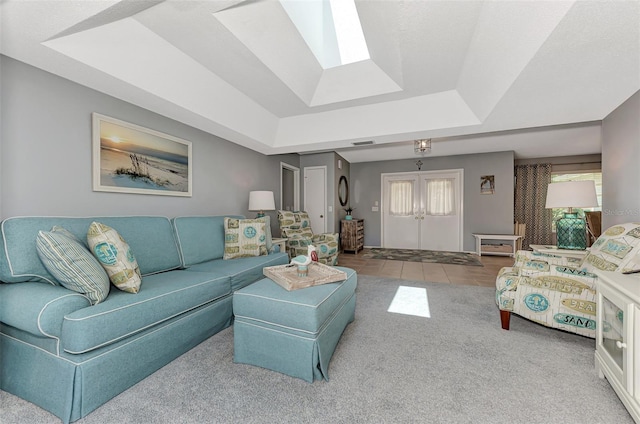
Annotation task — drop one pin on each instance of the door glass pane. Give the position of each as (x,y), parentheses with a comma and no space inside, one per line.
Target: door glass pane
(441,197)
(612,328)
(401,198)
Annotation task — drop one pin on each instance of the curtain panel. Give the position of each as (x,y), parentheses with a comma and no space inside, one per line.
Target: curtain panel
(401,203)
(441,197)
(529,203)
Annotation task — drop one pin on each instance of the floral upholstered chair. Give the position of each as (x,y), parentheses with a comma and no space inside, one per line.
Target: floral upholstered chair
(296,228)
(560,292)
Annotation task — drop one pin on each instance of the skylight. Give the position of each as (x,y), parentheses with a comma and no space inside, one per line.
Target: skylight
(331,29)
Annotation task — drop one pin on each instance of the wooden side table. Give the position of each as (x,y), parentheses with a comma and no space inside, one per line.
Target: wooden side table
(352,235)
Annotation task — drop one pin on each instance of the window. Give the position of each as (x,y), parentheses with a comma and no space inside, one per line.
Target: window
(401,203)
(557,213)
(440,197)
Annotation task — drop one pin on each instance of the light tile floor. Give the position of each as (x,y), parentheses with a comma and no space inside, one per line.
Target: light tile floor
(484,276)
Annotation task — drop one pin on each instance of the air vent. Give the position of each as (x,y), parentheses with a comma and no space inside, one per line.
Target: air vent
(362,143)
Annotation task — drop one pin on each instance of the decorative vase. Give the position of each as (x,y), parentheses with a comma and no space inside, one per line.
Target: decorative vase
(348,217)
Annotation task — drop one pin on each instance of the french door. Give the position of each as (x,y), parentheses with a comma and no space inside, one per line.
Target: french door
(423,210)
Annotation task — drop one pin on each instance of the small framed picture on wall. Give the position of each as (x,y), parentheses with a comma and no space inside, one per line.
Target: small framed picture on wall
(487,184)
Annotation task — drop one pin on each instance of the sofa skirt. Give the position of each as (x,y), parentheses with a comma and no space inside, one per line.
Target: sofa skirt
(92,379)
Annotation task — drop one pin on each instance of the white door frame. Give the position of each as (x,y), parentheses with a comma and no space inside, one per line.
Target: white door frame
(460,171)
(296,185)
(324,200)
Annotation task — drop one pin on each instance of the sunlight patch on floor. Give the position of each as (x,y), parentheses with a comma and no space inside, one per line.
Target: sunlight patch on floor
(410,301)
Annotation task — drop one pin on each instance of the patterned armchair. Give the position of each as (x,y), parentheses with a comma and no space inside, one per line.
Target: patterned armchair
(296,228)
(560,292)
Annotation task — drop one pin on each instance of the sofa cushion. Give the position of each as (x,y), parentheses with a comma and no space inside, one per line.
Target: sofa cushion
(161,297)
(115,256)
(151,237)
(72,264)
(200,238)
(242,271)
(244,238)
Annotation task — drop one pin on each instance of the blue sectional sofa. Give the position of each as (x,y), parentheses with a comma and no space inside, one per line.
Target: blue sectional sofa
(68,357)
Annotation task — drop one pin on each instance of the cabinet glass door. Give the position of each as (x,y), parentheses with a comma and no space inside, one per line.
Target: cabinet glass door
(612,332)
(614,314)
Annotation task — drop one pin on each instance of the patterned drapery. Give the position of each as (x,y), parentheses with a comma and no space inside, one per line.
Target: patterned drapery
(529,203)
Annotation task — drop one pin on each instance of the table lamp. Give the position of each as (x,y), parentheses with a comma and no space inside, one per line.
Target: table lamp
(260,201)
(571,231)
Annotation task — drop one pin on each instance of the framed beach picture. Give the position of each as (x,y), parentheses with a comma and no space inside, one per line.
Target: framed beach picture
(128,158)
(487,184)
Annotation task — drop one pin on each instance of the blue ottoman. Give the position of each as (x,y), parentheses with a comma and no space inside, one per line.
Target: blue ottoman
(292,332)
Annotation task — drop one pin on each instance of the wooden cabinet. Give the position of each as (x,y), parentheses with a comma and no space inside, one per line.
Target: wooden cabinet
(352,235)
(617,341)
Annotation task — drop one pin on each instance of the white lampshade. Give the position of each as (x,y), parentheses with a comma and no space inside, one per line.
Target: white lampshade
(261,201)
(572,194)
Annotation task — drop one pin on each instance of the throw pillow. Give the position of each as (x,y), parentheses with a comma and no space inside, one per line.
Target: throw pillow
(244,238)
(115,256)
(69,261)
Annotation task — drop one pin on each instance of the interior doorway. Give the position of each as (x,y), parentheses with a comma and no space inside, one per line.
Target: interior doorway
(315,197)
(289,187)
(423,210)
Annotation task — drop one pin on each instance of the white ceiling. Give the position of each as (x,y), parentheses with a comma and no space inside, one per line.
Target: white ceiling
(475,76)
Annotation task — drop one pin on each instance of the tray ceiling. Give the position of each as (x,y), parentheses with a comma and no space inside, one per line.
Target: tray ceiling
(473,75)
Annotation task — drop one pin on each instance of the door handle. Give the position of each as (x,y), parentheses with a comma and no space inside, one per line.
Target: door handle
(321,216)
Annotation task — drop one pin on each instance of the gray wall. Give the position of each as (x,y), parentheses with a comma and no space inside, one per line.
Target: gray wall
(488,214)
(620,164)
(46,155)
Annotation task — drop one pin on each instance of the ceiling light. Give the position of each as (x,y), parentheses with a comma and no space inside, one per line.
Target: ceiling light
(420,147)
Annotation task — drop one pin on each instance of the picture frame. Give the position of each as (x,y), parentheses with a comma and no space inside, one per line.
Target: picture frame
(129,158)
(487,184)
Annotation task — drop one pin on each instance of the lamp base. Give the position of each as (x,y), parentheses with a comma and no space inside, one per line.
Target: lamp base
(260,214)
(571,232)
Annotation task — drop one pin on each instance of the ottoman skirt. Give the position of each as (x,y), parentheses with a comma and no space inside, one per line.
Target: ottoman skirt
(295,332)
